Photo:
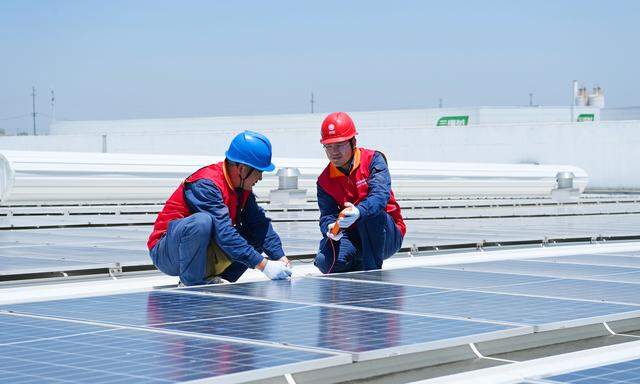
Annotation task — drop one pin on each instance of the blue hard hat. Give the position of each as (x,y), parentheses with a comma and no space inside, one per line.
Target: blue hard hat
(252,149)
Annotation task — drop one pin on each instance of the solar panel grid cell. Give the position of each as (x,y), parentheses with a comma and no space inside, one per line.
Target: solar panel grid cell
(16,329)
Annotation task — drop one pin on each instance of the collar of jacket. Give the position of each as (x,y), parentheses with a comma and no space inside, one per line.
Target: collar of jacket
(335,172)
(226,175)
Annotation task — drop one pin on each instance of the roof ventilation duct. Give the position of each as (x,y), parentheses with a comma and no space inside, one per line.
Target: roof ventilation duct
(565,192)
(288,192)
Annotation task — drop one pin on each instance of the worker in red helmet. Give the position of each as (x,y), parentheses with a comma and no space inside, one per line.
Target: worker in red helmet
(354,194)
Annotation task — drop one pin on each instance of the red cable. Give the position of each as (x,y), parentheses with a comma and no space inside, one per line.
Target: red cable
(334,256)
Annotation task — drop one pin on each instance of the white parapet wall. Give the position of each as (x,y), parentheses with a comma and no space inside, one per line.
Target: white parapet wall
(607,150)
(46,177)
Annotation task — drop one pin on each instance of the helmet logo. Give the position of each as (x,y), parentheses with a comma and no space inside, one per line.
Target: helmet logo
(332,129)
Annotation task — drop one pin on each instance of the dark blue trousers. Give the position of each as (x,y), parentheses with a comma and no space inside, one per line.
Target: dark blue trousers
(182,251)
(363,247)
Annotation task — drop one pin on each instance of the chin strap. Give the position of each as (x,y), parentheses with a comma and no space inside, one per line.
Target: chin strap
(242,179)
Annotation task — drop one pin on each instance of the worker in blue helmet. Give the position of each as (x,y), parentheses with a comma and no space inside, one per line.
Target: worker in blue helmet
(212,229)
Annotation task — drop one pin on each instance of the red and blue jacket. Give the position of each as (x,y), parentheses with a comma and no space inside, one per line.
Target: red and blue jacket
(368,187)
(210,190)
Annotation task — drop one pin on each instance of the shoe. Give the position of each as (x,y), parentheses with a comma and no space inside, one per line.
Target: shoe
(215,280)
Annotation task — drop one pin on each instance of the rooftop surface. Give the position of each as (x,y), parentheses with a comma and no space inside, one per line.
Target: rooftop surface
(494,286)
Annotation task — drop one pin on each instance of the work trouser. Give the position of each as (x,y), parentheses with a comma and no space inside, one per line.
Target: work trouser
(186,250)
(362,247)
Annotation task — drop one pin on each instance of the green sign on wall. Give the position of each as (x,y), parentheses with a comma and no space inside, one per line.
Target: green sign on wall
(586,117)
(447,121)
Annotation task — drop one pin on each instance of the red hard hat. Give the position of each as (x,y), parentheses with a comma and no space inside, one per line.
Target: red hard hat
(337,127)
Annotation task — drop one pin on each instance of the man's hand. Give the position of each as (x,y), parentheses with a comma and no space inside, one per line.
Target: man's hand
(330,235)
(274,270)
(285,261)
(351,214)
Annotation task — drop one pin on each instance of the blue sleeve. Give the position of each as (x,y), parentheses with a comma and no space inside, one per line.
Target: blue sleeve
(204,196)
(379,182)
(329,209)
(259,226)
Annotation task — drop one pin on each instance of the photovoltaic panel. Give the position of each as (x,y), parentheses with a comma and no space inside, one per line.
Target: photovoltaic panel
(17,329)
(135,356)
(441,278)
(309,290)
(613,261)
(339,329)
(552,270)
(146,308)
(11,265)
(627,372)
(499,307)
(606,291)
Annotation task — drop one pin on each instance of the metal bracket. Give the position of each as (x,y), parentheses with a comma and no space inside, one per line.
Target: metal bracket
(545,242)
(115,271)
(414,250)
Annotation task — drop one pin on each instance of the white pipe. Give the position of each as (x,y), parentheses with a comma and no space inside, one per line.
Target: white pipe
(544,367)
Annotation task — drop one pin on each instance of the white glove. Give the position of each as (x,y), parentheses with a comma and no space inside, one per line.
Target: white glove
(351,214)
(276,270)
(331,235)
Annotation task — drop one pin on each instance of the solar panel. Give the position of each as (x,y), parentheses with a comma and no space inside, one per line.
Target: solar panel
(470,305)
(441,278)
(18,329)
(553,270)
(348,330)
(309,290)
(93,244)
(146,308)
(607,260)
(605,291)
(516,309)
(340,329)
(126,355)
(12,265)
(624,372)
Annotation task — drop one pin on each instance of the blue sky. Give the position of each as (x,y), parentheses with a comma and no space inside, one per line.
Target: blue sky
(148,59)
